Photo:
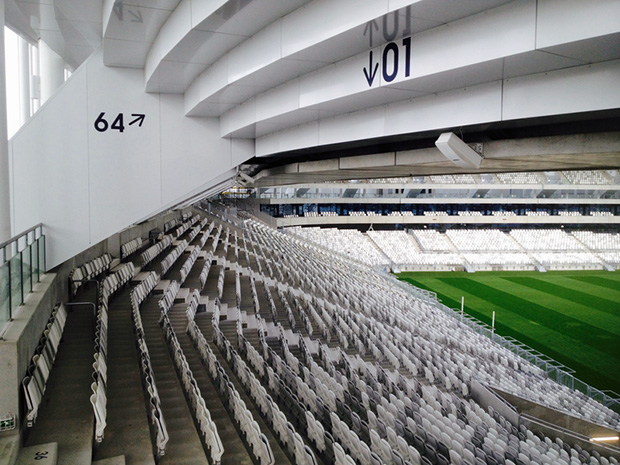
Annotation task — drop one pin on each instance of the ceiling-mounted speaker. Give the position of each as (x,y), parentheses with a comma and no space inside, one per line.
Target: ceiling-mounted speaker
(457,151)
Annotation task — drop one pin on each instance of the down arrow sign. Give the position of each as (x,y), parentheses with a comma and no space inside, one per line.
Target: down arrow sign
(371,72)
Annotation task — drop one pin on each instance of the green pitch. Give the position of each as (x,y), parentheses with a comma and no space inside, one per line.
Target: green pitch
(571,316)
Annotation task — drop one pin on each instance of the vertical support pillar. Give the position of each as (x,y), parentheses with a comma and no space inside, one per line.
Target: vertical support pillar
(52,71)
(24,81)
(35,85)
(5,192)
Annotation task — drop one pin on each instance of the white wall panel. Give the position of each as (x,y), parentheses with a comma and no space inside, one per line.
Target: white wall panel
(170,34)
(500,32)
(239,117)
(461,107)
(583,88)
(84,184)
(473,105)
(49,169)
(124,166)
(323,19)
(290,139)
(339,80)
(201,9)
(208,83)
(280,100)
(353,126)
(561,21)
(258,52)
(242,150)
(191,149)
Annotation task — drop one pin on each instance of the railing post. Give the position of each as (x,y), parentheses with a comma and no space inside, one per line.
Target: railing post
(21,274)
(10,291)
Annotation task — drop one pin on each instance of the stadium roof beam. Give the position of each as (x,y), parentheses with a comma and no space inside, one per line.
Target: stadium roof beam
(569,152)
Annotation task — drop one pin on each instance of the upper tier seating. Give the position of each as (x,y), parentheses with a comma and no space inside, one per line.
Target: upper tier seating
(348,242)
(431,240)
(519,178)
(482,240)
(586,177)
(546,239)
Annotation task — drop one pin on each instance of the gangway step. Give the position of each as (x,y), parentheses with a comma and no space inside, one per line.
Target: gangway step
(42,453)
(118,460)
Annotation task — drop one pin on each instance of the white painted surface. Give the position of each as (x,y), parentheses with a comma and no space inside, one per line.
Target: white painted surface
(85,185)
(585,19)
(572,90)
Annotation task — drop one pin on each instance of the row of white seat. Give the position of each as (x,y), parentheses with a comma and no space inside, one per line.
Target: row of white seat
(204,273)
(123,274)
(131,247)
(189,263)
(201,413)
(170,293)
(172,257)
(286,433)
(89,270)
(382,450)
(98,399)
(347,285)
(185,226)
(153,251)
(500,377)
(153,401)
(38,372)
(170,224)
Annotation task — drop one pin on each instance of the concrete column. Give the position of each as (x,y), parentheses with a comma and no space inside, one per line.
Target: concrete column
(5,192)
(35,87)
(24,81)
(52,71)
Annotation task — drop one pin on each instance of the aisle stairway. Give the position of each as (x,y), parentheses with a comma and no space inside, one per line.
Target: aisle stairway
(204,323)
(127,431)
(185,446)
(66,400)
(235,450)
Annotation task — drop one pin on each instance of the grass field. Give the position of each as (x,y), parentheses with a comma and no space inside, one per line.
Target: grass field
(571,316)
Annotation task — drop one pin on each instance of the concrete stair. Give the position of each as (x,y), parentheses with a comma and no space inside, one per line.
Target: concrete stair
(66,415)
(280,456)
(127,432)
(185,446)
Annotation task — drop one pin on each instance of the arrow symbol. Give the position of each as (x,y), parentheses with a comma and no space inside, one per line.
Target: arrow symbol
(137,16)
(368,29)
(139,117)
(118,9)
(370,76)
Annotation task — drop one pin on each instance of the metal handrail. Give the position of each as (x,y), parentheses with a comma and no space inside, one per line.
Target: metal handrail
(22,234)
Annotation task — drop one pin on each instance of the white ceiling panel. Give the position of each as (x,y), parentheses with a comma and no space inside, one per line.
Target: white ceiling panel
(536,61)
(125,53)
(602,48)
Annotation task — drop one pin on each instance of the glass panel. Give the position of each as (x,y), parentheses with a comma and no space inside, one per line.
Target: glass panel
(27,269)
(41,241)
(16,282)
(4,294)
(35,261)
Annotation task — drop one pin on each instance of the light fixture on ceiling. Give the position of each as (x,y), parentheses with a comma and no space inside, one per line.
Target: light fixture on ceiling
(457,151)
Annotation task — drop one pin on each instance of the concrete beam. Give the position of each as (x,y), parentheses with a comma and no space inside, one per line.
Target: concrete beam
(577,151)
